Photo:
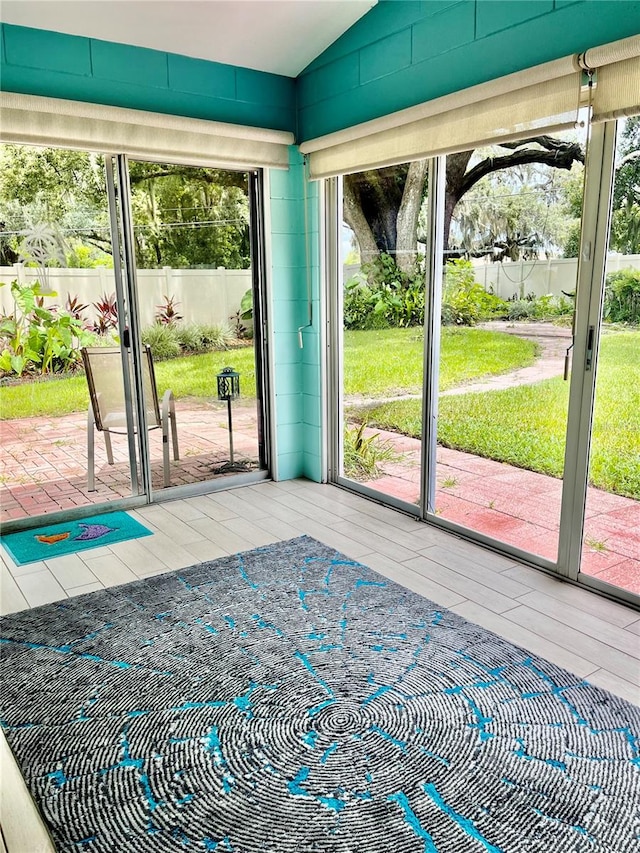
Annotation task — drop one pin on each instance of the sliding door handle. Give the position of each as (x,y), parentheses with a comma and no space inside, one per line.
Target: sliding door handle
(589,355)
(565,374)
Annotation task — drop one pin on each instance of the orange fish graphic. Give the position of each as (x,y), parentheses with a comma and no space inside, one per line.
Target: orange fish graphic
(52,538)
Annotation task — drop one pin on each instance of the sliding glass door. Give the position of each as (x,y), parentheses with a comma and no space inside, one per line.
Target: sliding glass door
(380,334)
(506,313)
(516,317)
(61,295)
(610,542)
(196,283)
(127,364)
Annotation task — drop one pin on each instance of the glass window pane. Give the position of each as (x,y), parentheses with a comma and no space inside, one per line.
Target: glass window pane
(58,295)
(193,257)
(383,300)
(611,542)
(512,226)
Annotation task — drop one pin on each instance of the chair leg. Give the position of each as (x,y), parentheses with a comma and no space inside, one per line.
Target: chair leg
(107,444)
(174,427)
(165,439)
(91,477)
(168,417)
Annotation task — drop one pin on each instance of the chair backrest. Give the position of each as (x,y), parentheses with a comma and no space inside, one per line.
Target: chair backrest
(103,367)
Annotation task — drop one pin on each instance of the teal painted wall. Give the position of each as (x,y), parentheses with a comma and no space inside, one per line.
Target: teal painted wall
(40,62)
(295,274)
(312,355)
(405,52)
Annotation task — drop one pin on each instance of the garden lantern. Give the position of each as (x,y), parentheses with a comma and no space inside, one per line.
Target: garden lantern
(229,389)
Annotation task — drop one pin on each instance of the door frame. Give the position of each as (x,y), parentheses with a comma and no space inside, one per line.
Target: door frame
(125,276)
(599,172)
(257,238)
(597,214)
(129,330)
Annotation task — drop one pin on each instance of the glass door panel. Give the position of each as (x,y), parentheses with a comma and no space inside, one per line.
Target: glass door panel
(195,286)
(58,296)
(509,283)
(611,536)
(382,336)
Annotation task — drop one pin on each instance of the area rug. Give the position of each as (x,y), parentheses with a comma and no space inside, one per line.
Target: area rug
(290,699)
(55,540)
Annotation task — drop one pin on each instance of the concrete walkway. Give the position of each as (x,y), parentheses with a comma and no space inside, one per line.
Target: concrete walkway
(552,342)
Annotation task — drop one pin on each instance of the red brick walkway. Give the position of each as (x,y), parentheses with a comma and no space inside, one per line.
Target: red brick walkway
(44,467)
(521,508)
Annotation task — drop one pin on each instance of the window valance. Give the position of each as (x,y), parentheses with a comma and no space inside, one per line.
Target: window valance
(155,136)
(542,99)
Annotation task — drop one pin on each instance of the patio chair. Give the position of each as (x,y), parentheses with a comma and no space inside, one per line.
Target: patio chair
(103,367)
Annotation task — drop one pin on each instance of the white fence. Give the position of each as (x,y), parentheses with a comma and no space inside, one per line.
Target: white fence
(539,277)
(200,296)
(213,296)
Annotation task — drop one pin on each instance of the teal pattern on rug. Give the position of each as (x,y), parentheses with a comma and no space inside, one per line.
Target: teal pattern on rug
(56,540)
(291,700)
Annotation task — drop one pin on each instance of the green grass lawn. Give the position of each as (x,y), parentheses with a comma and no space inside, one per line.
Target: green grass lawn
(390,361)
(385,361)
(194,376)
(525,426)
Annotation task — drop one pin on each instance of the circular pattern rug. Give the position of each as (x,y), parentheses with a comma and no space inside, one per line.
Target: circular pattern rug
(290,699)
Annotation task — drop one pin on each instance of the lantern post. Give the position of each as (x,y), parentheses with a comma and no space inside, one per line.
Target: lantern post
(229,389)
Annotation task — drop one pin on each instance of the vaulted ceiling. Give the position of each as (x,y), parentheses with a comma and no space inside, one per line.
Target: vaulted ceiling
(280,36)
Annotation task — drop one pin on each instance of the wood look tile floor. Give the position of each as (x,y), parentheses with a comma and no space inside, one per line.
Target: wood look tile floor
(593,637)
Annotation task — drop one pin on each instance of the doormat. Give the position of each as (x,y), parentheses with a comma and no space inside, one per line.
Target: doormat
(289,699)
(56,540)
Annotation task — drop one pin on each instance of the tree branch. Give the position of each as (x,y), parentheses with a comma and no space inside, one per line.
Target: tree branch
(99,243)
(226,179)
(559,158)
(547,142)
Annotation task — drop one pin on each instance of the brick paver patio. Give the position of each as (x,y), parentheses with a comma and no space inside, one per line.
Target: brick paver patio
(44,460)
(518,507)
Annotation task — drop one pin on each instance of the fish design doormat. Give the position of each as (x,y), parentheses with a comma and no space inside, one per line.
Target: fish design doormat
(55,540)
(289,699)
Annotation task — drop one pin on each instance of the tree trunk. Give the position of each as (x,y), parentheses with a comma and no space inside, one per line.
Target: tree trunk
(356,220)
(407,220)
(456,169)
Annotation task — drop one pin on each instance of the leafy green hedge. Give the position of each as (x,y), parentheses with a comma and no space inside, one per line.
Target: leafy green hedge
(464,301)
(381,296)
(176,339)
(622,297)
